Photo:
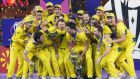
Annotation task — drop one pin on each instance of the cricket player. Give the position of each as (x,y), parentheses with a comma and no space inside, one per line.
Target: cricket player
(78,43)
(126,41)
(51,20)
(110,52)
(38,19)
(63,49)
(37,46)
(95,20)
(49,11)
(18,42)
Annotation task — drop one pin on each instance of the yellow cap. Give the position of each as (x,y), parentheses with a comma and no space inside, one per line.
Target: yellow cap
(100,8)
(28,19)
(80,12)
(53,31)
(59,6)
(49,4)
(111,15)
(95,17)
(39,9)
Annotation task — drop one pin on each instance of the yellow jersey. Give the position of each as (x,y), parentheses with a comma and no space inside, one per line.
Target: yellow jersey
(37,23)
(104,43)
(19,36)
(106,30)
(32,47)
(62,41)
(120,29)
(77,22)
(46,14)
(78,39)
(52,19)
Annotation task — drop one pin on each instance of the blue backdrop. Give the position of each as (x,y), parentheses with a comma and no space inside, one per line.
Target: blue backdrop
(91,5)
(54,1)
(8,29)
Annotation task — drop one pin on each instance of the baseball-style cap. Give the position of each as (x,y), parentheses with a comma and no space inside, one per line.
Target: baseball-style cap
(59,6)
(28,19)
(100,8)
(53,31)
(95,17)
(49,4)
(39,9)
(80,12)
(110,15)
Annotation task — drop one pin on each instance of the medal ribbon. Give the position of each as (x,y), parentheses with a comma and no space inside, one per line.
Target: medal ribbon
(100,44)
(61,38)
(28,34)
(73,42)
(38,25)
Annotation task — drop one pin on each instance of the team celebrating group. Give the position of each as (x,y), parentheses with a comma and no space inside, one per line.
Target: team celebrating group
(50,36)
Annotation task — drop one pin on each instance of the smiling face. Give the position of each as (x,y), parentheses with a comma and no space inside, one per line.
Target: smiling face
(39,14)
(111,21)
(100,13)
(61,25)
(50,9)
(86,18)
(57,11)
(29,25)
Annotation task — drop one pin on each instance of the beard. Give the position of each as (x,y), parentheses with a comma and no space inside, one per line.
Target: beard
(50,11)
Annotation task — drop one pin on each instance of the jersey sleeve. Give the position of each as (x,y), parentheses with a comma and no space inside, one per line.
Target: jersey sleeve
(18,35)
(121,28)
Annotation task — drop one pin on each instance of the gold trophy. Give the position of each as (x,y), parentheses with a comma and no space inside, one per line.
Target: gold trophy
(73,57)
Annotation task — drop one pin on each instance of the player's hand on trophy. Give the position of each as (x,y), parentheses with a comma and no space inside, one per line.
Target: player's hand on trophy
(31,63)
(98,60)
